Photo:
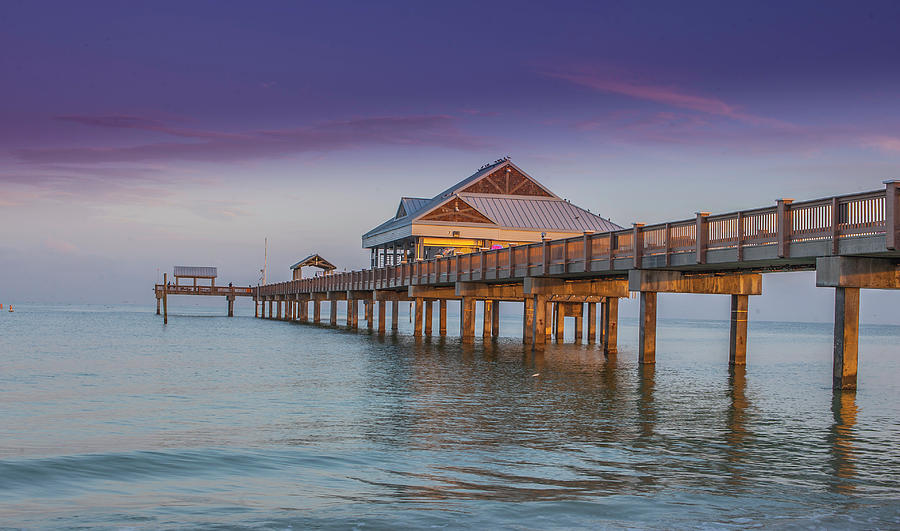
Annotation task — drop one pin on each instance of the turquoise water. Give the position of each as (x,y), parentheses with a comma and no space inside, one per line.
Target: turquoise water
(109,419)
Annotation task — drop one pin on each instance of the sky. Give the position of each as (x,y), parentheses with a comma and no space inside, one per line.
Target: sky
(135,136)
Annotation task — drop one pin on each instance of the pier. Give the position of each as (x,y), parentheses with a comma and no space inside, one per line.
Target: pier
(195,274)
(850,241)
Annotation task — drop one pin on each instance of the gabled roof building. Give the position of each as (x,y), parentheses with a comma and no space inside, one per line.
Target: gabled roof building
(313,260)
(497,206)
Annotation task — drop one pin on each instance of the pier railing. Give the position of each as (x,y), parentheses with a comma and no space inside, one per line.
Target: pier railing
(833,219)
(240,291)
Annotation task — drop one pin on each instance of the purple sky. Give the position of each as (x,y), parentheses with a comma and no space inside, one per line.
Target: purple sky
(134,136)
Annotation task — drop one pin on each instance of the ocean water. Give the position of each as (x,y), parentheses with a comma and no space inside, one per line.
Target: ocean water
(108,419)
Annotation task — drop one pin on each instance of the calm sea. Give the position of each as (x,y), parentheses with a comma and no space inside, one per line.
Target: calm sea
(108,419)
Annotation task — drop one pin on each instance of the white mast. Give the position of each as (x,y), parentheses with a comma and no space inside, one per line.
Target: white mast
(265,260)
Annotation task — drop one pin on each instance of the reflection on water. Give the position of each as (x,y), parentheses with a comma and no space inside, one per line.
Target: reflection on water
(253,423)
(840,441)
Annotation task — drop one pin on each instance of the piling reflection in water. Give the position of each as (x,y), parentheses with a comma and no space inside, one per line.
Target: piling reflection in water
(736,434)
(840,439)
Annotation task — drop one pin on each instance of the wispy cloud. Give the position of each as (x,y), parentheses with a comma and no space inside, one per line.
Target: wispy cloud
(60,246)
(889,144)
(602,81)
(216,146)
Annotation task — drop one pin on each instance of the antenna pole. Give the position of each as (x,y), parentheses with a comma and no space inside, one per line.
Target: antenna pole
(265,260)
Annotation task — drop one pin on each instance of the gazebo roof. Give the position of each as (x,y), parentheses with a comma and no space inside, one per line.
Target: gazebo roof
(196,271)
(315,260)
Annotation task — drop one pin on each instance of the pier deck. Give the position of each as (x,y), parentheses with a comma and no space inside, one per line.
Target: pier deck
(851,241)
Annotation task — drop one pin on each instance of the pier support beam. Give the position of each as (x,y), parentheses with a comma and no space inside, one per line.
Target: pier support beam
(846,337)
(495,319)
(230,299)
(578,314)
(442,317)
(737,345)
(332,310)
(527,320)
(271,305)
(467,319)
(847,275)
(417,317)
(610,325)
(395,315)
(647,343)
(651,282)
(429,317)
(370,311)
(382,314)
(560,318)
(165,297)
(592,322)
(158,300)
(486,319)
(317,310)
(548,321)
(539,330)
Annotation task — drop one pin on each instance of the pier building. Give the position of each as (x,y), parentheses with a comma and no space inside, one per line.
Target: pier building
(497,206)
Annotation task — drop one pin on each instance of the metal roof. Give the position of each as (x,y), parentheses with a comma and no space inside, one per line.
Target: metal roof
(315,260)
(411,205)
(518,211)
(195,271)
(551,214)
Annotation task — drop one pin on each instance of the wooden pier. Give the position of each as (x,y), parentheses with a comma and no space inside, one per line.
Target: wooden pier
(851,242)
(230,292)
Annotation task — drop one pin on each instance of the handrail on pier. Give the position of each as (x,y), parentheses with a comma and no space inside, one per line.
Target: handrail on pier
(833,219)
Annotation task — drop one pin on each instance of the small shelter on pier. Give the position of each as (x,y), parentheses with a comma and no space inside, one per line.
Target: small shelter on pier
(313,260)
(497,206)
(194,273)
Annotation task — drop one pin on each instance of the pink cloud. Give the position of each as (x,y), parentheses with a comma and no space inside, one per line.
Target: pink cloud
(476,112)
(665,95)
(60,246)
(889,144)
(213,146)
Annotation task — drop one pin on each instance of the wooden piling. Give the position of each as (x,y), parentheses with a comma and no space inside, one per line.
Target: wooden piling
(495,319)
(579,322)
(395,314)
(486,319)
(539,331)
(382,314)
(548,322)
(647,342)
(369,314)
(610,325)
(442,317)
(527,320)
(560,318)
(417,317)
(846,337)
(429,314)
(317,311)
(737,348)
(332,312)
(467,319)
(165,298)
(592,322)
